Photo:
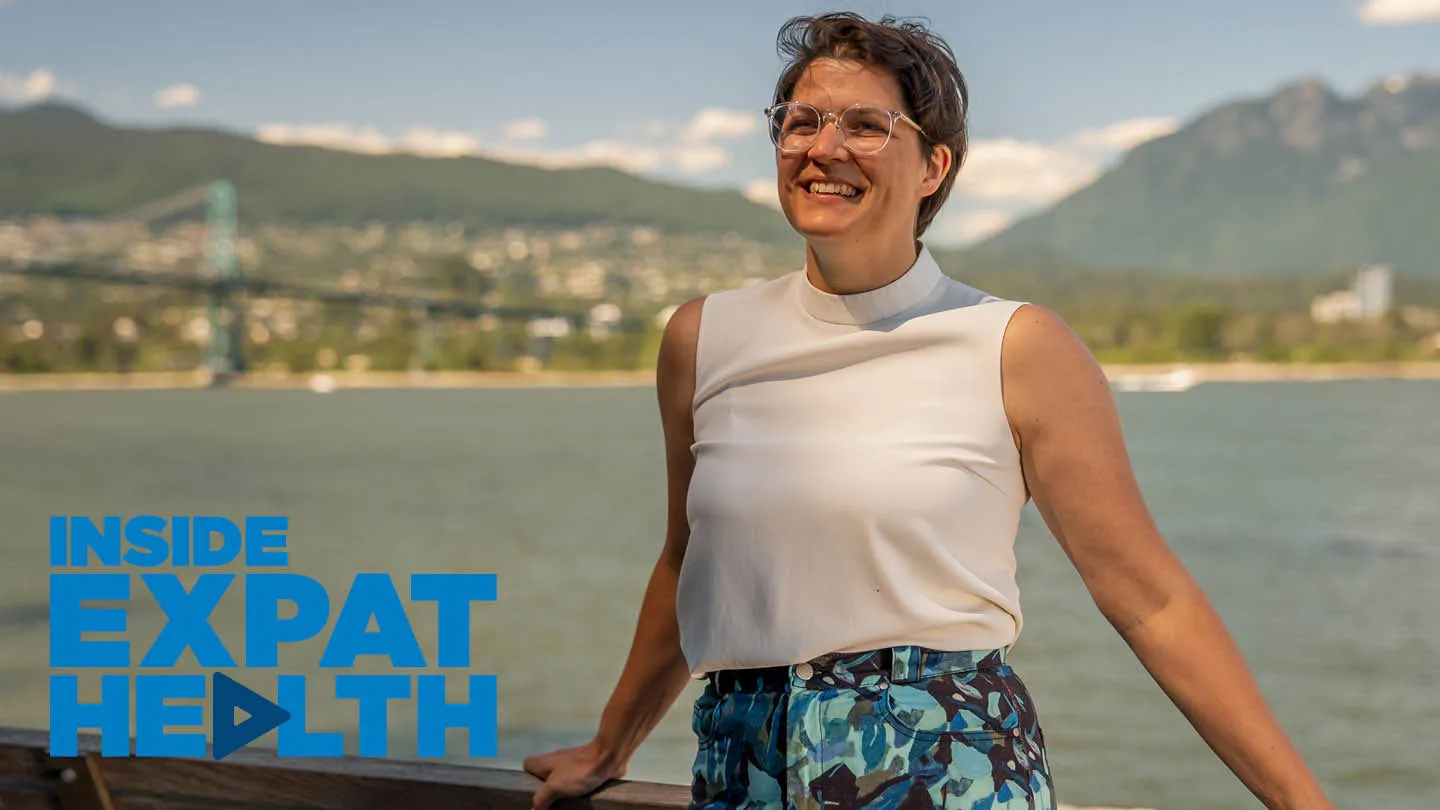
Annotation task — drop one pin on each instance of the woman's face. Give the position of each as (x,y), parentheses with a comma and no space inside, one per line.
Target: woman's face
(888,185)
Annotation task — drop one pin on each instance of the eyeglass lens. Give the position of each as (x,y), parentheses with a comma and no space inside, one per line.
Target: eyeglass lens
(864,129)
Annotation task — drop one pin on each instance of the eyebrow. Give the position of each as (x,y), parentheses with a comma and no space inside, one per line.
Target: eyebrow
(881,104)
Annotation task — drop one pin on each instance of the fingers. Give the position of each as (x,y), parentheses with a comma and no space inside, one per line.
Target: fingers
(539,765)
(564,773)
(543,798)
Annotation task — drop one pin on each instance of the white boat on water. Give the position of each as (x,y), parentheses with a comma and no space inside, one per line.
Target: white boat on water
(1180,379)
(322,383)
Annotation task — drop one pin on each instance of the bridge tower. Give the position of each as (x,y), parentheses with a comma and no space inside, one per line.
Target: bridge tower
(225,355)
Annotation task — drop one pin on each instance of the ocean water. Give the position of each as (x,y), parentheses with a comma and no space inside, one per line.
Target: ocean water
(1309,512)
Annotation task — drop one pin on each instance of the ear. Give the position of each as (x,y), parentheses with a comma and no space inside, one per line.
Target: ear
(936,168)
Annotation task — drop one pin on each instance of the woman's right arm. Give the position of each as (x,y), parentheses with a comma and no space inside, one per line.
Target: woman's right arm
(655,672)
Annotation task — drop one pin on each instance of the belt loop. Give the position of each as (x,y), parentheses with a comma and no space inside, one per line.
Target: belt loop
(903,663)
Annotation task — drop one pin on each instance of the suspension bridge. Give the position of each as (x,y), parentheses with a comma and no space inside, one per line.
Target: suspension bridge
(226,286)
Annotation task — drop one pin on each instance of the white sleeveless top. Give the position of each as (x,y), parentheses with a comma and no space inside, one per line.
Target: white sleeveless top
(856,485)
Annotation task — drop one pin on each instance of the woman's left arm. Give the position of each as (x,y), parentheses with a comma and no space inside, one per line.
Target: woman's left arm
(1078,471)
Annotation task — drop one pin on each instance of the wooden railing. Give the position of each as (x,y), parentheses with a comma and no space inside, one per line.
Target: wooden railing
(252,779)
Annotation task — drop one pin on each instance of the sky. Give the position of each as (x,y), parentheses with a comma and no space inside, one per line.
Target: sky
(673,90)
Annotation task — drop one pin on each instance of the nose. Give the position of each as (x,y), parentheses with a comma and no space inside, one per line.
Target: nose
(829,143)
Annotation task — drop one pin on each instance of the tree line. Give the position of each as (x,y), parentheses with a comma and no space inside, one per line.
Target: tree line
(1122,318)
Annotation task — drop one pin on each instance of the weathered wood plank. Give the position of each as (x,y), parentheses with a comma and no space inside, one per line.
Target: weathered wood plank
(261,779)
(276,787)
(26,798)
(24,784)
(19,762)
(80,784)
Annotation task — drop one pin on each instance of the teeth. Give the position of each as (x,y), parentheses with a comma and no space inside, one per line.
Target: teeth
(833,188)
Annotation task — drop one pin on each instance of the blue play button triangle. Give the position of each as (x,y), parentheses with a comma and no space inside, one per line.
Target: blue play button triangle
(227,695)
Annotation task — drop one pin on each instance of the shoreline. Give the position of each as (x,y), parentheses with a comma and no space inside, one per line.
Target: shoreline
(325,382)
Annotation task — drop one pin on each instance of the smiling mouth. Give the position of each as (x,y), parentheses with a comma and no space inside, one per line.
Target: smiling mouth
(832,189)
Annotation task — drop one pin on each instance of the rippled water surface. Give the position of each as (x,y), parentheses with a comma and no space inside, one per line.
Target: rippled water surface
(1310,512)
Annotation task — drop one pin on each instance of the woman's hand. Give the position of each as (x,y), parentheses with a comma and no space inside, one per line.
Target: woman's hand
(655,672)
(569,772)
(1078,471)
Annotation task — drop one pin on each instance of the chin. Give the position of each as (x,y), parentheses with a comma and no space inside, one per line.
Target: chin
(813,224)
(820,232)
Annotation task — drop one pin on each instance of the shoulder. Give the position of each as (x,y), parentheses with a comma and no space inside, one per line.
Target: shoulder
(1035,333)
(956,294)
(1046,368)
(754,293)
(681,334)
(729,315)
(675,365)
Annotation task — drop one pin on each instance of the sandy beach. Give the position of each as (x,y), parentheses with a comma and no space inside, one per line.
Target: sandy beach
(328,381)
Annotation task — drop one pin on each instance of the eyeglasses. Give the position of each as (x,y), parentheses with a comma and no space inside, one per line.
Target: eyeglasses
(864,129)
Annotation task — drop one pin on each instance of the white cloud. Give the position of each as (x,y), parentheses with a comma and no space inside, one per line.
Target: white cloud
(1399,12)
(345,137)
(438,143)
(628,156)
(38,86)
(524,129)
(1006,178)
(624,156)
(763,190)
(699,158)
(688,148)
(714,123)
(339,136)
(1016,171)
(1123,135)
(965,227)
(177,95)
(1023,171)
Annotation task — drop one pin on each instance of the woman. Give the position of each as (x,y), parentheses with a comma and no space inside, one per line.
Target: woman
(846,475)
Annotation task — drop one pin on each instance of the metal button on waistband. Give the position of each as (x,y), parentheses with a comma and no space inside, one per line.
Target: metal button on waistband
(805,671)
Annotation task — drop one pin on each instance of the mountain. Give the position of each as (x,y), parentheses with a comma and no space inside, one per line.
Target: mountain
(59,159)
(1302,180)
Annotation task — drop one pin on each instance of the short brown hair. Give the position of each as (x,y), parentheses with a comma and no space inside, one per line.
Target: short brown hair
(919,59)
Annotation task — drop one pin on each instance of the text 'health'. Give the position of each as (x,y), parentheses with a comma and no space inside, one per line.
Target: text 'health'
(278,608)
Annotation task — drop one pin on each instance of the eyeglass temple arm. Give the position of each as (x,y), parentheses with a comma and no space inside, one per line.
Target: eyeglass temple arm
(908,120)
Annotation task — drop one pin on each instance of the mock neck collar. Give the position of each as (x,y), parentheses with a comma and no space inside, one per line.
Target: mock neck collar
(873,305)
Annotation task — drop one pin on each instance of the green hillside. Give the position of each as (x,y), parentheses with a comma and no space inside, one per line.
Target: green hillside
(1300,181)
(56,159)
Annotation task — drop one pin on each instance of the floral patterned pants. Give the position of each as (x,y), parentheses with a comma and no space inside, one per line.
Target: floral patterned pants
(895,729)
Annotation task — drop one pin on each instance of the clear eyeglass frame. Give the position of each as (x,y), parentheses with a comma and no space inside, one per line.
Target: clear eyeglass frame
(824,117)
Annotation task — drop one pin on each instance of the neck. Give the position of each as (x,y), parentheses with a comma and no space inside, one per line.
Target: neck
(844,268)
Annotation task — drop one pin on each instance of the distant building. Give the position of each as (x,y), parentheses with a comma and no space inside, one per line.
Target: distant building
(555,327)
(1374,291)
(586,281)
(1335,307)
(604,320)
(1370,297)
